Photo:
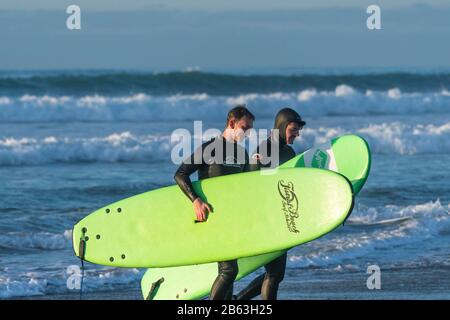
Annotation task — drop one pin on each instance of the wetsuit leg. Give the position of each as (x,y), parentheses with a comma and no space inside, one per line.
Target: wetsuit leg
(274,275)
(230,293)
(222,288)
(270,279)
(253,289)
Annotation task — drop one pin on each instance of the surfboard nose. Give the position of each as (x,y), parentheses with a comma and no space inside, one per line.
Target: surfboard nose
(92,241)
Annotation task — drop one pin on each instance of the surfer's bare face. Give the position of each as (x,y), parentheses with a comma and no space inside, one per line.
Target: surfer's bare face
(240,128)
(292,132)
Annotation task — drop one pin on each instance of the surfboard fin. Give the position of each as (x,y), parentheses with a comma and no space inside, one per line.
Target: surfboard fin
(154,289)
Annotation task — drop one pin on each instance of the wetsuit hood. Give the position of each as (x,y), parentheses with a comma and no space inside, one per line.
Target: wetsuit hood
(283,118)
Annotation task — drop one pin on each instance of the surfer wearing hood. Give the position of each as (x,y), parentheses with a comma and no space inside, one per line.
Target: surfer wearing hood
(288,124)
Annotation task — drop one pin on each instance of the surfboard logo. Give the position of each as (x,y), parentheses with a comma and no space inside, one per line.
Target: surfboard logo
(289,204)
(319,159)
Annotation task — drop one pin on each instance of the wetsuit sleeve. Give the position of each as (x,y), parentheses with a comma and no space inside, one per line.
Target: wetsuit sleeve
(254,166)
(289,153)
(182,175)
(248,166)
(255,163)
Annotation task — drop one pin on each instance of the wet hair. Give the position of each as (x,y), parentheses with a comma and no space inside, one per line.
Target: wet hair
(239,112)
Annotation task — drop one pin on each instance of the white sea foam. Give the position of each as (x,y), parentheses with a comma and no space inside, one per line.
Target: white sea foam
(427,221)
(118,147)
(385,138)
(344,100)
(10,288)
(44,283)
(39,240)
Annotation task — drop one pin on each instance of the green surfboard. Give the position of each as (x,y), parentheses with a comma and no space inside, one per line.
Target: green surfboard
(157,228)
(265,212)
(349,155)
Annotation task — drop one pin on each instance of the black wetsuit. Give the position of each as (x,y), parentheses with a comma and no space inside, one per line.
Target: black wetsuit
(234,159)
(267,283)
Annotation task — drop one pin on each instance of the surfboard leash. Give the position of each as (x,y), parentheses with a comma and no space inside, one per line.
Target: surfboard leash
(82,252)
(82,278)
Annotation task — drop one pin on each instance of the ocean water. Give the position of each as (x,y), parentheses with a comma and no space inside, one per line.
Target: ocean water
(73,141)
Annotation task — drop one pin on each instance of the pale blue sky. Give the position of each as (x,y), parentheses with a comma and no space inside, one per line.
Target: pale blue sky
(104,5)
(225,35)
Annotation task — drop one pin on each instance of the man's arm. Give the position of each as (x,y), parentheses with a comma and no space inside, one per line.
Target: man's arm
(182,178)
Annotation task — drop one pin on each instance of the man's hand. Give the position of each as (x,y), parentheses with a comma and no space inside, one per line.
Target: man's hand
(201,209)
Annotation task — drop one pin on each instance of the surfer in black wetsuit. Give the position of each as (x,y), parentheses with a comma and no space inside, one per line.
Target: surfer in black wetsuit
(219,156)
(289,123)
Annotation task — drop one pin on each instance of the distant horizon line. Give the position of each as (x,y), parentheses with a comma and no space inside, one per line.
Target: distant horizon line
(226,70)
